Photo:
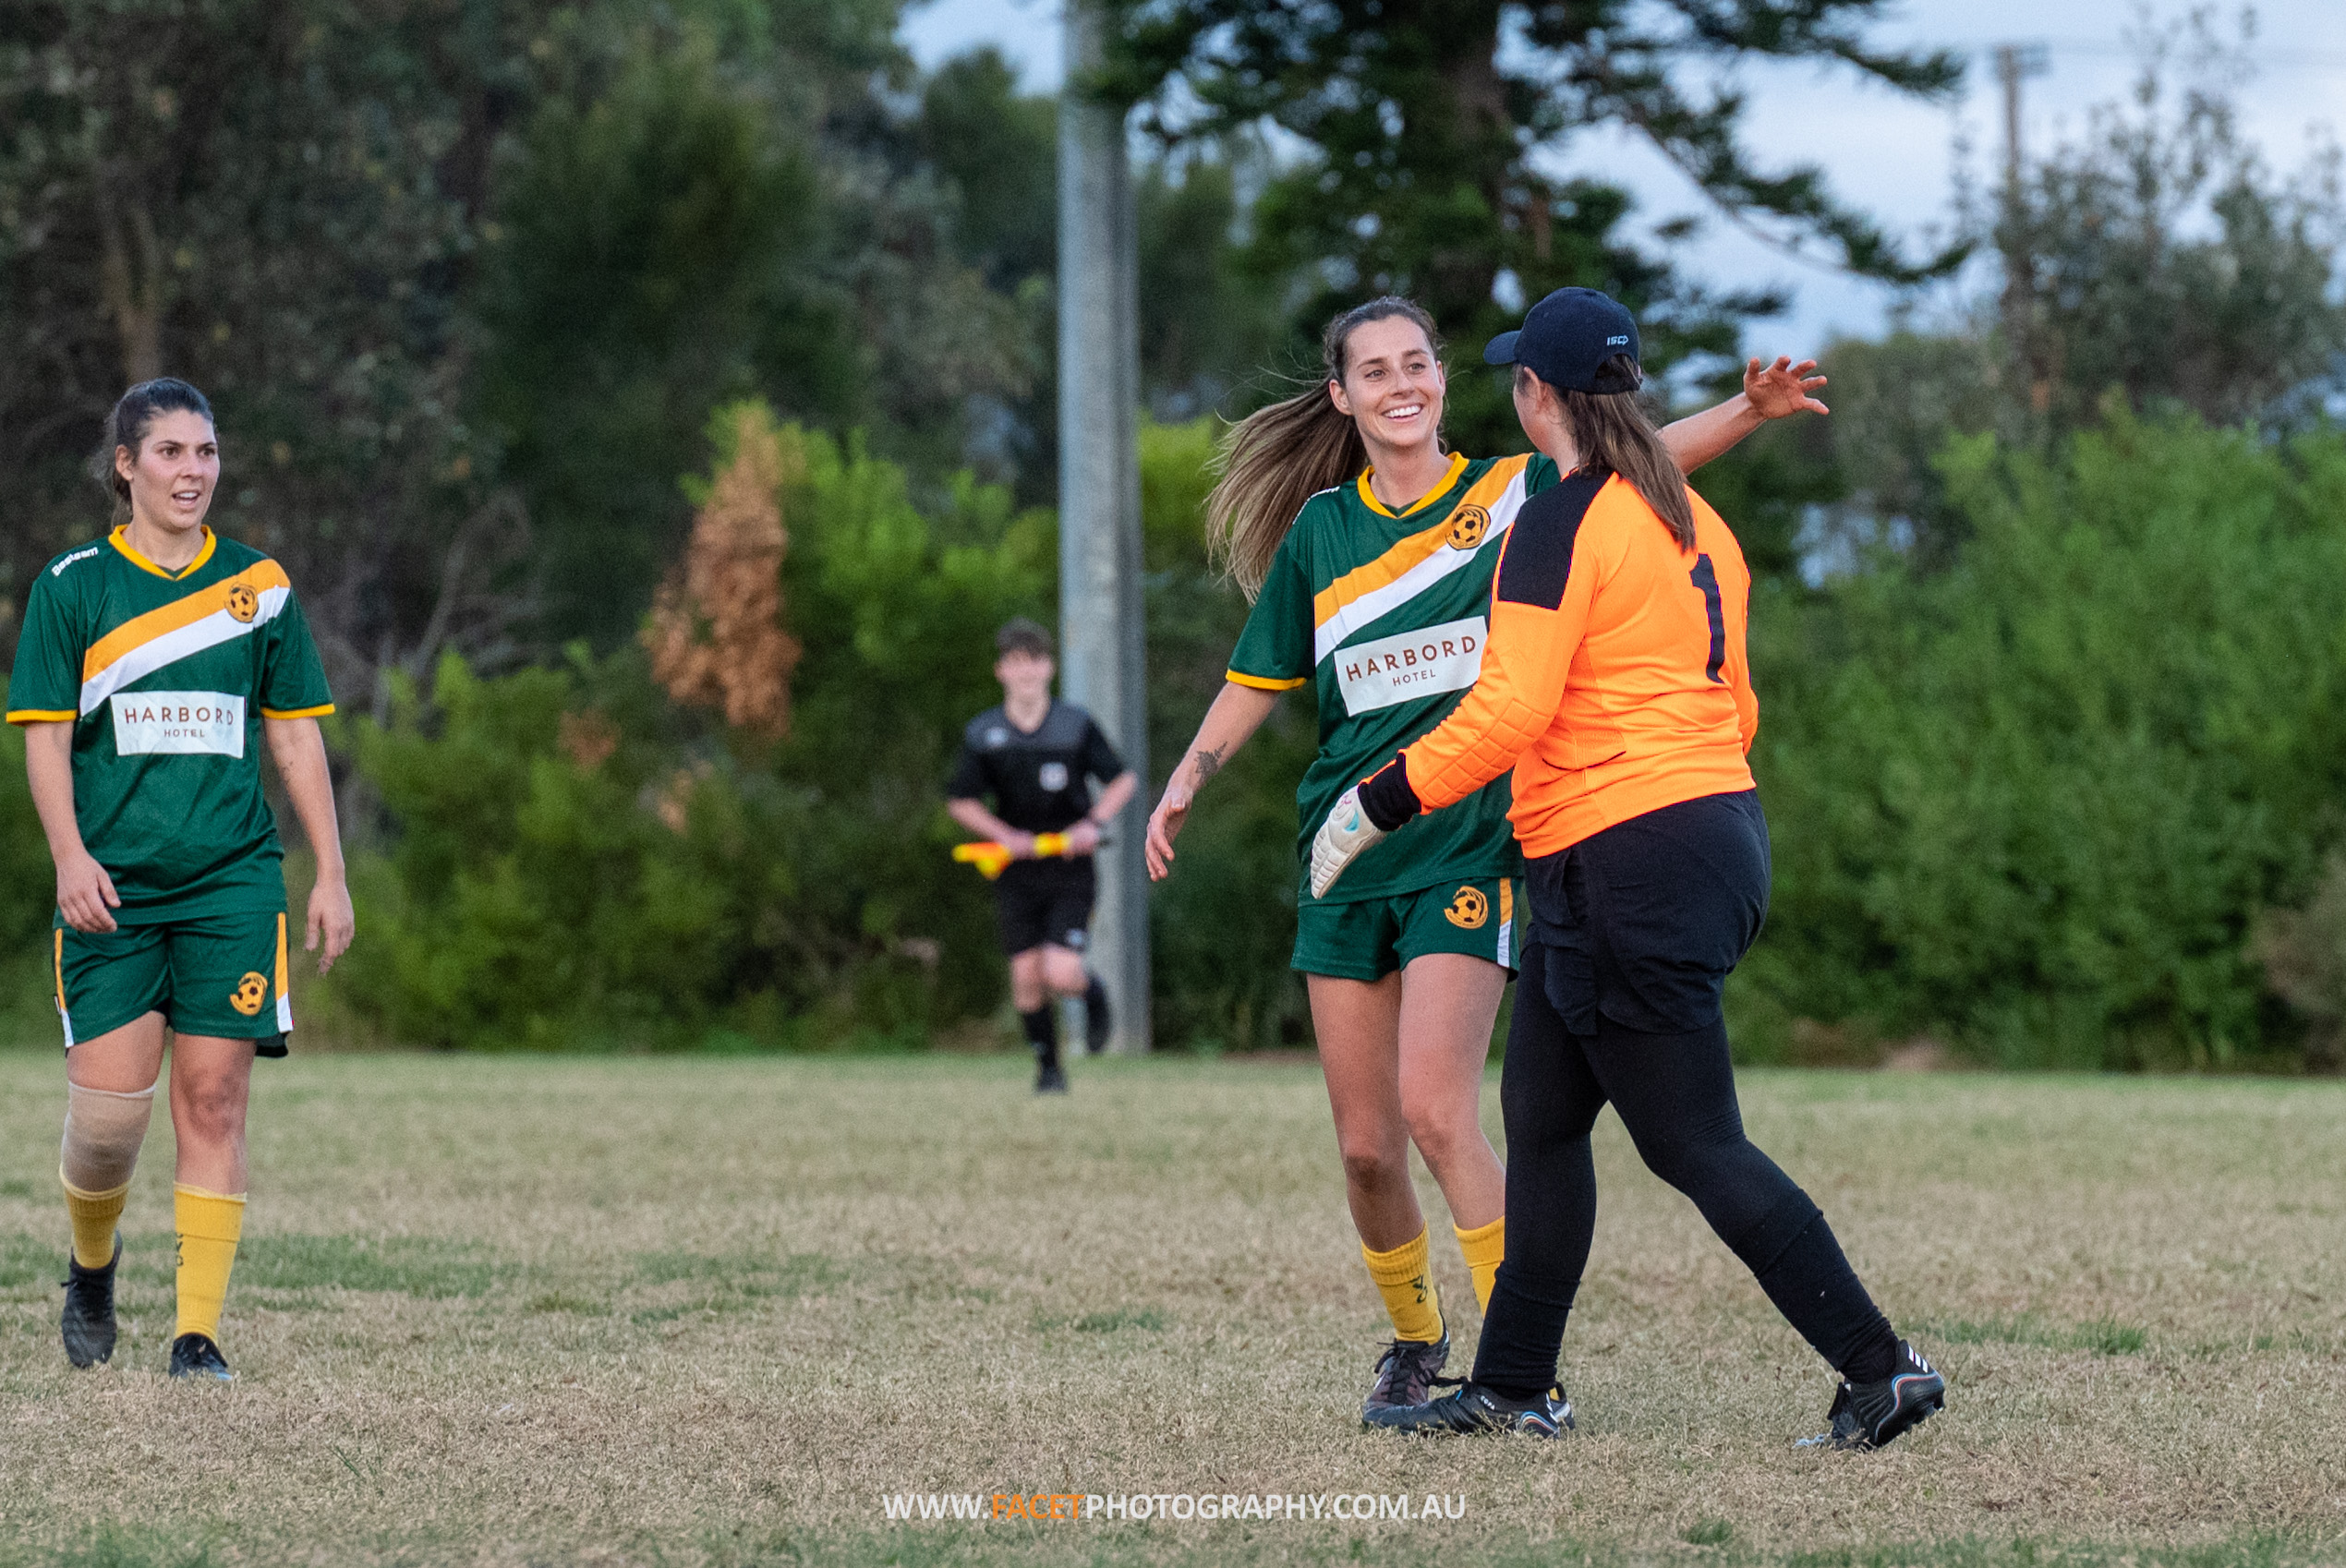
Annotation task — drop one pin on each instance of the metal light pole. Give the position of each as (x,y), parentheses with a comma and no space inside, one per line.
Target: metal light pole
(2015,63)
(1100,609)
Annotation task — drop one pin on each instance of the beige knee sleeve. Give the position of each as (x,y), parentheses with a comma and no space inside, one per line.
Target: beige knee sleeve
(104,1130)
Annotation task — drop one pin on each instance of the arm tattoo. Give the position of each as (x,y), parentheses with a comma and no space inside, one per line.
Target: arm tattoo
(1209,763)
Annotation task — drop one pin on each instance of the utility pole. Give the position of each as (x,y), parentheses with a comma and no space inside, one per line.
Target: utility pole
(1102,653)
(2014,62)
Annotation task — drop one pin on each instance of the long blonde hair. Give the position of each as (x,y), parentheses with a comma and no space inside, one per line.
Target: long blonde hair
(1277,458)
(1612,430)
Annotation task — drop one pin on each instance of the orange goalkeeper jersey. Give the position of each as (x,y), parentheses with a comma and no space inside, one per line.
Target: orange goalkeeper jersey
(1614,682)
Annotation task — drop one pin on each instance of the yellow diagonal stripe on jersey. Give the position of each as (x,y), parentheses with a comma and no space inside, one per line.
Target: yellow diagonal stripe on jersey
(1368,592)
(145,644)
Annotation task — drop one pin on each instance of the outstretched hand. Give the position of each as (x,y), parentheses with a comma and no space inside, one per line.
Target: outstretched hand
(1783,388)
(1164,825)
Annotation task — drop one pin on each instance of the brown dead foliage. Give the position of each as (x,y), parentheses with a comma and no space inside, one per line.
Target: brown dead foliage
(589,739)
(716,633)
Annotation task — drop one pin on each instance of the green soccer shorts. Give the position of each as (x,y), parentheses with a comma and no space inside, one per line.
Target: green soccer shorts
(222,975)
(1371,938)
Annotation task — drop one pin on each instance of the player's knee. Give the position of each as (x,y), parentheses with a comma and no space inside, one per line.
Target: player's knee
(1063,972)
(104,1130)
(209,1110)
(1693,1167)
(1375,1165)
(1440,1131)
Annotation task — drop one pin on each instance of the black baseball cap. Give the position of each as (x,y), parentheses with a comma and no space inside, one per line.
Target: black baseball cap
(1565,340)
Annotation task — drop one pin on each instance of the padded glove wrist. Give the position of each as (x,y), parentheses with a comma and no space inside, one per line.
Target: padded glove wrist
(1387,798)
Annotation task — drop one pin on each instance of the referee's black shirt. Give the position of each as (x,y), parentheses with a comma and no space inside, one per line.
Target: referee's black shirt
(1036,778)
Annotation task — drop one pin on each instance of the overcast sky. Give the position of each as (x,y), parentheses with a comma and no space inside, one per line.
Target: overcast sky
(1889,156)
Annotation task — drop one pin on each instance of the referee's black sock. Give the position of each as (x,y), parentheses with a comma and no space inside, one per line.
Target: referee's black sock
(1098,1022)
(1042,1032)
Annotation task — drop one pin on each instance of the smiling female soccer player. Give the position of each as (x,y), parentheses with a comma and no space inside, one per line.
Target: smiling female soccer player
(1369,550)
(144,660)
(1615,688)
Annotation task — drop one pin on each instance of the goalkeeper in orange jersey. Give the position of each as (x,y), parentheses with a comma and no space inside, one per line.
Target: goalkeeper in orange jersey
(1037,759)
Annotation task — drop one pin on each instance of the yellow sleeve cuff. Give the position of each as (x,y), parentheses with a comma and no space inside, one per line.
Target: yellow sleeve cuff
(298,712)
(1264,683)
(41,716)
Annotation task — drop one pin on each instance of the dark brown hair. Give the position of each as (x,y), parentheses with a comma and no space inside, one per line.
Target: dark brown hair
(134,412)
(1277,458)
(1023,636)
(1610,430)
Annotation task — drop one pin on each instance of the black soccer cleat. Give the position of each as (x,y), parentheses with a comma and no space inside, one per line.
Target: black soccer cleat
(1099,1022)
(1050,1078)
(1473,1409)
(194,1356)
(1872,1414)
(1406,1374)
(89,1316)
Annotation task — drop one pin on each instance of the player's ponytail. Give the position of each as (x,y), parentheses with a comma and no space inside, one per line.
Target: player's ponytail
(1610,429)
(127,427)
(1277,458)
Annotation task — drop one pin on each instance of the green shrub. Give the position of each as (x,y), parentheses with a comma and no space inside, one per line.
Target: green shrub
(574,860)
(2304,952)
(2035,800)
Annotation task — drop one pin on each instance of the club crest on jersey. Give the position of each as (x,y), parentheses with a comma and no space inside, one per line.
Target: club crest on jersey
(243,603)
(250,993)
(1052,776)
(1467,527)
(1469,910)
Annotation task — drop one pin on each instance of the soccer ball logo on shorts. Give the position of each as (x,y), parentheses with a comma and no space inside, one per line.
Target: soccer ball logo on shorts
(1469,910)
(1467,527)
(250,993)
(243,603)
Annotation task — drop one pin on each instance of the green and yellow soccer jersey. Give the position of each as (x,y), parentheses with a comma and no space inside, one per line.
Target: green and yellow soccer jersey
(1388,615)
(165,676)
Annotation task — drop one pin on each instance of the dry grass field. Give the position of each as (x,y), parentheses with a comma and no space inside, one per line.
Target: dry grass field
(701,1311)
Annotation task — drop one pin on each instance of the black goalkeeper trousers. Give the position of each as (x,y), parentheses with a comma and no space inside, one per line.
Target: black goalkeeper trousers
(1604,925)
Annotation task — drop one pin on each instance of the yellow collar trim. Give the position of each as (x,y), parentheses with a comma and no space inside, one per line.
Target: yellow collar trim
(211,542)
(1457,466)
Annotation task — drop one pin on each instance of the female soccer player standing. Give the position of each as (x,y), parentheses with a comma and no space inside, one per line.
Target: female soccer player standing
(1368,551)
(144,659)
(1615,687)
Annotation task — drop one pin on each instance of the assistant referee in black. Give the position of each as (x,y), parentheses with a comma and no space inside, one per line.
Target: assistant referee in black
(1037,758)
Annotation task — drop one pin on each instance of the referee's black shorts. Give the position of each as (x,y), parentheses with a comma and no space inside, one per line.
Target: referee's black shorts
(1644,921)
(1045,903)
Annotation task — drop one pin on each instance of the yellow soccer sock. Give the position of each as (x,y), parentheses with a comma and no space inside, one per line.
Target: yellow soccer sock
(95,1214)
(1484,1247)
(1407,1285)
(209,1226)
